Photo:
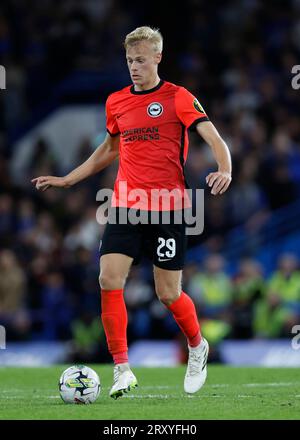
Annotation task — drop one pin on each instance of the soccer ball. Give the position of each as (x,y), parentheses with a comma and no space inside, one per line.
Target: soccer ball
(79,384)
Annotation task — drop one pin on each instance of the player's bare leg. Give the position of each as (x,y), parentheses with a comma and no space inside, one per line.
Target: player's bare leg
(169,291)
(114,269)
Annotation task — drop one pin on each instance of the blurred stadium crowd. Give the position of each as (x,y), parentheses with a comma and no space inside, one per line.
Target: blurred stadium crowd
(236,57)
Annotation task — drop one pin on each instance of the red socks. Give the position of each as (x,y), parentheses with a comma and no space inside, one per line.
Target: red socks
(120,358)
(114,320)
(185,315)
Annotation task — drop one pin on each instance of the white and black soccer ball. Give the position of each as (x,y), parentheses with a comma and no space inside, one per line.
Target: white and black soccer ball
(79,384)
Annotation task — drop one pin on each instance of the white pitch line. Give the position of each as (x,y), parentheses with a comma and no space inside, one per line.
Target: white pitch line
(166,396)
(267,384)
(272,384)
(151,396)
(19,392)
(221,385)
(159,396)
(161,387)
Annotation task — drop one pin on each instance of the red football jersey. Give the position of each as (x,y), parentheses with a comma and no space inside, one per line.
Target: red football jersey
(153,142)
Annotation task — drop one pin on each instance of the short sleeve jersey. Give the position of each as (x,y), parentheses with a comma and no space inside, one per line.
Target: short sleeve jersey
(152,125)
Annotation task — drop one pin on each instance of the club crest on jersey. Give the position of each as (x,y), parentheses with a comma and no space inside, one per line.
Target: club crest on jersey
(155,109)
(198,106)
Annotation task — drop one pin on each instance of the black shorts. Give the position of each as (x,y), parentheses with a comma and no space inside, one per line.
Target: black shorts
(164,244)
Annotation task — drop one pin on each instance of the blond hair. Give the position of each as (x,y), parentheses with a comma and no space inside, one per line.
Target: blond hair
(145,33)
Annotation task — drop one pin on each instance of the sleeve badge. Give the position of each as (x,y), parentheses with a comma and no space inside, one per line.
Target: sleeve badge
(198,106)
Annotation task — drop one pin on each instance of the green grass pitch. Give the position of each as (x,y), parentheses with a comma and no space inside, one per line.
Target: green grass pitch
(229,393)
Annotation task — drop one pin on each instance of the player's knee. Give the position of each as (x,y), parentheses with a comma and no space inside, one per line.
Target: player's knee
(168,296)
(109,281)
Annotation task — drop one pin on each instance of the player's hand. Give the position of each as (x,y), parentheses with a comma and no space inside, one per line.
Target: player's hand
(218,181)
(45,182)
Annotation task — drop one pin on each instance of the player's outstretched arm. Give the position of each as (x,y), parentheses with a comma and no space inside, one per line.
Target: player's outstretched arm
(219,180)
(104,155)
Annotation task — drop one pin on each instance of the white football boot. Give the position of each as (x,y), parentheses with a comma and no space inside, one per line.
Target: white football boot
(124,380)
(196,369)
